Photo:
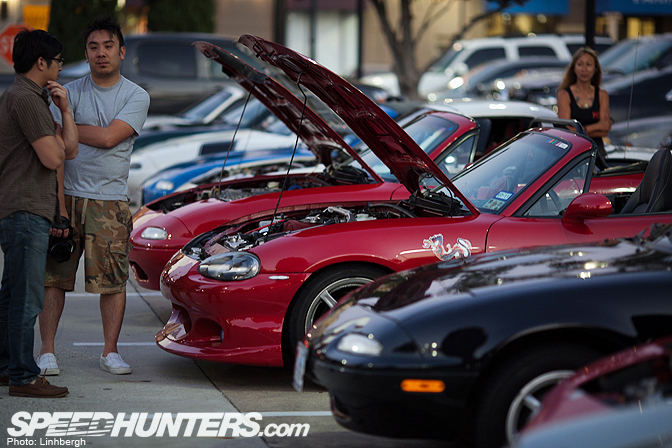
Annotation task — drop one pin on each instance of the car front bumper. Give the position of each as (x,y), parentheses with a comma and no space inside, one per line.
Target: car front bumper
(237,322)
(372,400)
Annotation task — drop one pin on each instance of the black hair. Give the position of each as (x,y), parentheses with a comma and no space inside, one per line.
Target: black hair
(104,24)
(30,45)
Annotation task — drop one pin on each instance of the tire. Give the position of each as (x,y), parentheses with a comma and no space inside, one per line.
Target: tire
(512,394)
(321,293)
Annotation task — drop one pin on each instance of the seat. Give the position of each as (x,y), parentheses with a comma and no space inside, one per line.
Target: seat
(654,192)
(662,199)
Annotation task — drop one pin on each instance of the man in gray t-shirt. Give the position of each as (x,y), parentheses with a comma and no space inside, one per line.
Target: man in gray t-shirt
(109,111)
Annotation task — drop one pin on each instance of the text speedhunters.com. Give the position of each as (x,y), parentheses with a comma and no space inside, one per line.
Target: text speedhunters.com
(74,428)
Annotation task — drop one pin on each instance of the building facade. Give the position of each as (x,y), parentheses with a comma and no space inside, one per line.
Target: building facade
(347,37)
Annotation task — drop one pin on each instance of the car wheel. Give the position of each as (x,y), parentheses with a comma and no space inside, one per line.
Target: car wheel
(512,394)
(322,292)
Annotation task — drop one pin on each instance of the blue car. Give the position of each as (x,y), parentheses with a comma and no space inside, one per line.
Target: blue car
(208,169)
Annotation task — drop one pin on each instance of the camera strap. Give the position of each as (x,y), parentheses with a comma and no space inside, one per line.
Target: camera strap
(62,223)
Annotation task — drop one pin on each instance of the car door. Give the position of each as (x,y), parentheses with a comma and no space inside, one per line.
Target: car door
(539,221)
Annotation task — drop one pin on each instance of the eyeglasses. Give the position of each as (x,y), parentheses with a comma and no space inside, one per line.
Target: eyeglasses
(59,60)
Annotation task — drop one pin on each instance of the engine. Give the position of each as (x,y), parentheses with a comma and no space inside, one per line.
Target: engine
(258,232)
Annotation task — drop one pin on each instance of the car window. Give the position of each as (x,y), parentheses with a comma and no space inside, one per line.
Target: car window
(446,59)
(556,199)
(646,55)
(204,108)
(429,131)
(215,70)
(453,161)
(539,50)
(255,111)
(485,55)
(167,60)
(499,178)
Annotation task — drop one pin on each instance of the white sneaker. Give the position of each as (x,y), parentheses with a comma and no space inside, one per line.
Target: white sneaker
(114,364)
(48,365)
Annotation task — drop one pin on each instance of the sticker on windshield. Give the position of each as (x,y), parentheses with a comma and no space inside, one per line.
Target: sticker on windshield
(558,143)
(498,201)
(461,249)
(504,195)
(494,204)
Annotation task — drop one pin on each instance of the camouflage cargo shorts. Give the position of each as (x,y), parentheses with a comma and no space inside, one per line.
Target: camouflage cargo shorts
(101,230)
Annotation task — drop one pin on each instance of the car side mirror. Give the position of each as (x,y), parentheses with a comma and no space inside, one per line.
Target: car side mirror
(587,206)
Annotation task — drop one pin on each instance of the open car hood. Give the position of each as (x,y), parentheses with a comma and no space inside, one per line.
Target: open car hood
(405,159)
(320,138)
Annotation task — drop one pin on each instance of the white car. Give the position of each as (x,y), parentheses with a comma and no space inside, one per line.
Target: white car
(468,53)
(147,161)
(202,113)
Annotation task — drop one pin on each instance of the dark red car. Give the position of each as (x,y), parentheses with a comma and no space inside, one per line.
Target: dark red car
(245,291)
(453,135)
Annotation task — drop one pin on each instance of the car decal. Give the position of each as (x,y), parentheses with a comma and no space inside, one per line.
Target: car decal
(558,143)
(461,249)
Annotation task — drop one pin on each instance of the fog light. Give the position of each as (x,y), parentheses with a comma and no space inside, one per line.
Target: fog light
(425,386)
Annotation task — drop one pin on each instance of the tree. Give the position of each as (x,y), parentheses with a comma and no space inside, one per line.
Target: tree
(180,15)
(69,18)
(403,41)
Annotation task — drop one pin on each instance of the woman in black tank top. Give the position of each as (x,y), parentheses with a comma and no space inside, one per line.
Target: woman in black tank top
(580,97)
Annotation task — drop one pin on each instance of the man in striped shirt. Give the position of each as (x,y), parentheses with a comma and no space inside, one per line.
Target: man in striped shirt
(32,148)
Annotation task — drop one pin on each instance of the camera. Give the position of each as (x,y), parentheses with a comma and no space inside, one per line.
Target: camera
(60,248)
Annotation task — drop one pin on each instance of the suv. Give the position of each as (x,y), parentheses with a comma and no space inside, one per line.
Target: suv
(173,72)
(466,54)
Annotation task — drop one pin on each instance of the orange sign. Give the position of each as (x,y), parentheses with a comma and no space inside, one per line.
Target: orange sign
(7,41)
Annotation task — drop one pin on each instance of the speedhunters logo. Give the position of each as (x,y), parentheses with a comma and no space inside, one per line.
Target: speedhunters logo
(136,424)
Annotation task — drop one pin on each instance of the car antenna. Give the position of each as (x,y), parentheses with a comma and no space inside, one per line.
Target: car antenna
(233,139)
(296,143)
(632,89)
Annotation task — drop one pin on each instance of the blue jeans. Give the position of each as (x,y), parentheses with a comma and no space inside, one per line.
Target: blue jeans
(24,238)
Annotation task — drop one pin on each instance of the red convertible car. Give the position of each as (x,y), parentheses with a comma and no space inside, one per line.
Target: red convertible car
(245,291)
(620,400)
(451,139)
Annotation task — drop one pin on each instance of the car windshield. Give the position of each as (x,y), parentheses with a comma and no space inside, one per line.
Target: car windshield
(429,131)
(255,112)
(496,180)
(445,60)
(646,55)
(616,52)
(204,108)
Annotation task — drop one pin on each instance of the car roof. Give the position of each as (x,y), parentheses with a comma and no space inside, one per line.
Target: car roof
(477,108)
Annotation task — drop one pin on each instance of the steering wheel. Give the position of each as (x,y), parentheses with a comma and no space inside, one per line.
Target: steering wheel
(555,199)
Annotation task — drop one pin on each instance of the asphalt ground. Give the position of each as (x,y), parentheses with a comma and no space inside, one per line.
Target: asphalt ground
(162,383)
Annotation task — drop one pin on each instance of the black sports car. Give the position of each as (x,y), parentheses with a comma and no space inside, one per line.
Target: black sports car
(466,348)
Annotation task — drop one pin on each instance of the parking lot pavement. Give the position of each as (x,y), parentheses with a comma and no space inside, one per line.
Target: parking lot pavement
(163,384)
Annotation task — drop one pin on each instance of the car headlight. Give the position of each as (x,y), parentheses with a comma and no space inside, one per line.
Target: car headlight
(230,266)
(165,185)
(154,233)
(359,344)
